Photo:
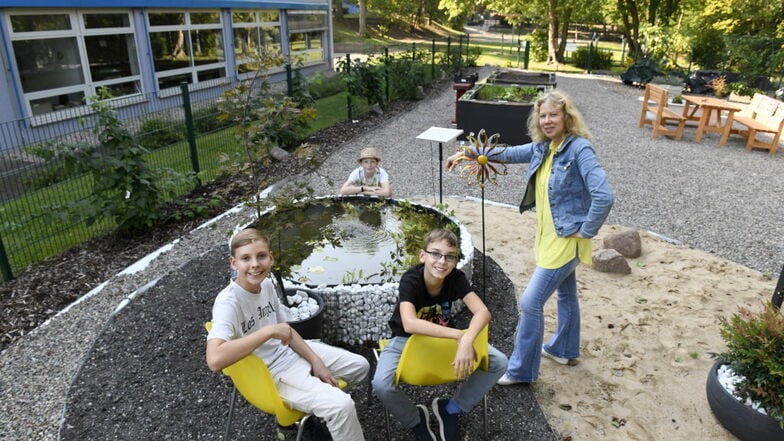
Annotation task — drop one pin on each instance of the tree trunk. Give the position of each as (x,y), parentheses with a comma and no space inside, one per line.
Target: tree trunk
(362,17)
(552,32)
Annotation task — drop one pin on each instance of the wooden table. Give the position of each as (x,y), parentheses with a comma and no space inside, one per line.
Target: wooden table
(710,106)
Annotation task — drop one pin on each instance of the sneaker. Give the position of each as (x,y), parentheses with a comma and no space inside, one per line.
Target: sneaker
(506,380)
(559,360)
(447,422)
(422,430)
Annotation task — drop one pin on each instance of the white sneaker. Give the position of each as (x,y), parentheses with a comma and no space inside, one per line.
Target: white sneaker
(559,360)
(506,380)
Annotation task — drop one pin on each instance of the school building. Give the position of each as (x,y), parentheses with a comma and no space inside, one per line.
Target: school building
(56,53)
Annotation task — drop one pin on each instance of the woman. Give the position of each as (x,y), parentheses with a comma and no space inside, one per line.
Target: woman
(572,197)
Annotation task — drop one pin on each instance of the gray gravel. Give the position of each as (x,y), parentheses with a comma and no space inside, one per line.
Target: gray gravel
(721,200)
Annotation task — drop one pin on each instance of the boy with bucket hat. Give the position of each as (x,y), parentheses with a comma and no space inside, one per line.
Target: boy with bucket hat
(368,179)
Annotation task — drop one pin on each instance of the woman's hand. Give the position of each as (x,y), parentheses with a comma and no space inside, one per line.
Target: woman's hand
(451,161)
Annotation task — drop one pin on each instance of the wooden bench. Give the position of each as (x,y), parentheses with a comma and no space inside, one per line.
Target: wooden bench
(656,113)
(764,115)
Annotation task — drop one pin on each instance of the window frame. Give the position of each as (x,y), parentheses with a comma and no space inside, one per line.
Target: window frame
(307,55)
(193,69)
(80,33)
(257,25)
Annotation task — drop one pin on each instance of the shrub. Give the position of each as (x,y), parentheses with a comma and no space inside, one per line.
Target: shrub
(321,86)
(755,348)
(592,58)
(405,76)
(159,132)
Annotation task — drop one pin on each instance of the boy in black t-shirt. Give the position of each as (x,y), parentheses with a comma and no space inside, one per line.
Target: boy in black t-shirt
(427,294)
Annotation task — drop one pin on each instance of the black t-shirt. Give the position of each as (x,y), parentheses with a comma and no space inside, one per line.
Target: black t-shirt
(436,309)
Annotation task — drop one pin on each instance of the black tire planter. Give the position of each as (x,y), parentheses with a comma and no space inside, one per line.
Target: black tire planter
(742,421)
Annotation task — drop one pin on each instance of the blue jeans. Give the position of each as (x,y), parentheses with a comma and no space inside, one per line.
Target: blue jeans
(565,343)
(470,392)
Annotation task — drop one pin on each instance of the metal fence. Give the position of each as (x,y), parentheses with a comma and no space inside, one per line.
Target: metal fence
(180,130)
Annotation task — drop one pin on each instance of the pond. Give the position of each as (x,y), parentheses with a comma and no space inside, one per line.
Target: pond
(345,240)
(351,251)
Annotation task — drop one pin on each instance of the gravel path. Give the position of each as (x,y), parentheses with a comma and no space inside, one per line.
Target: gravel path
(721,200)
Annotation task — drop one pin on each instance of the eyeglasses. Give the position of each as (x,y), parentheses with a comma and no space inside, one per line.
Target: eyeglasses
(451,258)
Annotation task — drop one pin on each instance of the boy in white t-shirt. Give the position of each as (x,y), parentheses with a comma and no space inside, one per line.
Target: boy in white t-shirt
(248,318)
(368,179)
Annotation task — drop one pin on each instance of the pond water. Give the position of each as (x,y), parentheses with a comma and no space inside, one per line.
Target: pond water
(346,240)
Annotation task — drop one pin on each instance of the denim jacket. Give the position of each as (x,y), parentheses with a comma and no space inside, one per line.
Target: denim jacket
(580,195)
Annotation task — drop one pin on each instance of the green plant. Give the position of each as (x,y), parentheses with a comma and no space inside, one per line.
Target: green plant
(125,188)
(406,74)
(492,92)
(596,59)
(264,122)
(363,78)
(755,349)
(742,89)
(160,132)
(677,99)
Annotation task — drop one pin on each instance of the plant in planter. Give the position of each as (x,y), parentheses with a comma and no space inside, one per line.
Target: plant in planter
(753,370)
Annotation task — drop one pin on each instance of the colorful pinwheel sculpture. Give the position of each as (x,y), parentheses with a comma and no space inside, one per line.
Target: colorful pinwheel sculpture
(481,164)
(479,155)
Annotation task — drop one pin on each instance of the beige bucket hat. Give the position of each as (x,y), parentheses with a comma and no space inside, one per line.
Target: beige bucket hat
(369,153)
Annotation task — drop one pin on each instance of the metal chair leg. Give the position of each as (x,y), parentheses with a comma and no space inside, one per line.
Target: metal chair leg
(301,426)
(484,415)
(386,418)
(231,413)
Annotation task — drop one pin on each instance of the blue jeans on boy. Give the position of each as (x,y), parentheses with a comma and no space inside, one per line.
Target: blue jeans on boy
(470,392)
(565,343)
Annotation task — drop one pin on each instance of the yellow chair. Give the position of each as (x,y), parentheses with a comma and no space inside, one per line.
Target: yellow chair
(426,361)
(252,379)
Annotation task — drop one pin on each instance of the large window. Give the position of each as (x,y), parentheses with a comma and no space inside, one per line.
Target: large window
(255,32)
(65,56)
(307,33)
(186,47)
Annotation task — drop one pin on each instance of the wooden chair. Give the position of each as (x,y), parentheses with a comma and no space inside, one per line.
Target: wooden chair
(656,113)
(764,115)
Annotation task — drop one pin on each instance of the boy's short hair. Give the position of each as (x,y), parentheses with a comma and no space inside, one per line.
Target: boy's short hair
(439,235)
(246,237)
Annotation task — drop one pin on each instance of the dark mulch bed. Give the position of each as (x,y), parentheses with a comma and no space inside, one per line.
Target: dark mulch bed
(146,377)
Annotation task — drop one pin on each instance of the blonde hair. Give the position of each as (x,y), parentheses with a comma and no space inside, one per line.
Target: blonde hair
(246,237)
(574,124)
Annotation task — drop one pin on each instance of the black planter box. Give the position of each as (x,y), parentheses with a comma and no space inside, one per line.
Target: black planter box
(508,119)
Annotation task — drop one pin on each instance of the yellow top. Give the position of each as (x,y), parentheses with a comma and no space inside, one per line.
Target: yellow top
(551,251)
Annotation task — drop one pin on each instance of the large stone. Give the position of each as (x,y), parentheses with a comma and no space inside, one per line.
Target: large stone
(627,242)
(279,154)
(610,261)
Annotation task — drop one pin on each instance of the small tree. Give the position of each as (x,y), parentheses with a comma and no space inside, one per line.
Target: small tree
(265,121)
(125,188)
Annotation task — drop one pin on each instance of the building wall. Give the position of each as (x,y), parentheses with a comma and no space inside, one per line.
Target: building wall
(41,107)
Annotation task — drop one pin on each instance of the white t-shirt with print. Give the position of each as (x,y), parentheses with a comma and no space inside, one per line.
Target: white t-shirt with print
(237,312)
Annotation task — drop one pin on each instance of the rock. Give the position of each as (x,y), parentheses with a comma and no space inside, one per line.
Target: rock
(626,242)
(420,93)
(610,261)
(279,154)
(376,109)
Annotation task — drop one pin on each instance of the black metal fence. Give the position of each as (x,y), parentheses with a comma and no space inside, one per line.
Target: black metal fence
(181,131)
